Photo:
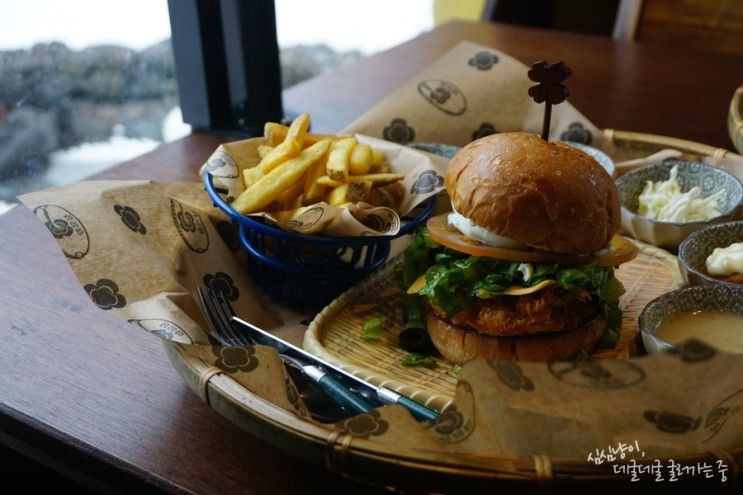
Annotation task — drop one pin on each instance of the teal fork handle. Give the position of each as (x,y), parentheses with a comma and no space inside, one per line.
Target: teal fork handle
(343,396)
(418,410)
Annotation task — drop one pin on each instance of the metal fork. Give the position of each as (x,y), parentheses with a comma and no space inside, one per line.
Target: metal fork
(218,313)
(379,395)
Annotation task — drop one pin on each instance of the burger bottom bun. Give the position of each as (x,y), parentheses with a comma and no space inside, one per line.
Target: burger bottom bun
(458,345)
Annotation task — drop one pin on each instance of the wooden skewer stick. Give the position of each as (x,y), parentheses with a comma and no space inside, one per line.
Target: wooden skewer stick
(550,88)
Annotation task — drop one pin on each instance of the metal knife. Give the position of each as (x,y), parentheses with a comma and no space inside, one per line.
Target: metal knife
(383,394)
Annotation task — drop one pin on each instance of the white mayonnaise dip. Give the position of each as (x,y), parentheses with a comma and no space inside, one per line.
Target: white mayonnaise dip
(726,261)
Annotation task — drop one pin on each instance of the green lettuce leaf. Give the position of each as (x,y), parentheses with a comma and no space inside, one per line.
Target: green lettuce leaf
(455,280)
(417,360)
(372,329)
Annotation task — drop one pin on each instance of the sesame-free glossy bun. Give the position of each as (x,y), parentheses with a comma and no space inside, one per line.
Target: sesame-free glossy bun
(544,194)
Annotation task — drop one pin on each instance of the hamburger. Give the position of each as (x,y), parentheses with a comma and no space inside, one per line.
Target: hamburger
(523,267)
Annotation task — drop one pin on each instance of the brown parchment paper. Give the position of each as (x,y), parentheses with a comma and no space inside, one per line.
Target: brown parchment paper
(468,93)
(423,179)
(140,249)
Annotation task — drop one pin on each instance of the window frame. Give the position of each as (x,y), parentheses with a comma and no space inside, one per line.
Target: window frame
(227,64)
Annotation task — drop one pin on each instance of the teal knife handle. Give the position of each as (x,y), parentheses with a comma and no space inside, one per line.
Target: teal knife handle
(342,395)
(418,410)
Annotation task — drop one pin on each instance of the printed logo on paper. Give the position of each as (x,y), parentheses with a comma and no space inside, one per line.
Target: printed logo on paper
(222,283)
(221,164)
(485,129)
(671,422)
(165,329)
(722,412)
(234,359)
(306,220)
(577,134)
(427,182)
(483,60)
(694,351)
(383,220)
(443,95)
(399,132)
(454,424)
(607,374)
(105,294)
(365,425)
(130,218)
(66,228)
(190,227)
(511,375)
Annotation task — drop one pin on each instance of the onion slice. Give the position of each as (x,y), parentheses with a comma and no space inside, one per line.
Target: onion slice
(619,250)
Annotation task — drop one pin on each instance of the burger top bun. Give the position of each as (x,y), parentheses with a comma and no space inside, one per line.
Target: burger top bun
(544,194)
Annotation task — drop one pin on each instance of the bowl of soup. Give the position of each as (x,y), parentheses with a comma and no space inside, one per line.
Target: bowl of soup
(709,313)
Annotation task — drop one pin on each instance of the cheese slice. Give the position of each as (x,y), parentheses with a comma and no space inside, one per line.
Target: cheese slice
(417,285)
(515,290)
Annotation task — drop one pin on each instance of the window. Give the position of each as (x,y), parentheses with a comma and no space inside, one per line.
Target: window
(316,36)
(227,51)
(84,84)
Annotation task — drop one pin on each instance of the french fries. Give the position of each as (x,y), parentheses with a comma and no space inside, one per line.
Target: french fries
(281,153)
(361,159)
(377,156)
(276,133)
(339,159)
(298,169)
(375,179)
(298,130)
(313,190)
(263,150)
(349,193)
(270,186)
(251,176)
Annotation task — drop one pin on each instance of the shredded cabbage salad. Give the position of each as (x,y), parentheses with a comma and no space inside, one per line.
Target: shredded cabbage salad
(664,201)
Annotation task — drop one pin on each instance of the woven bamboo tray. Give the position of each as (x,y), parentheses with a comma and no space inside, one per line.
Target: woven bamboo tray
(638,145)
(335,334)
(403,466)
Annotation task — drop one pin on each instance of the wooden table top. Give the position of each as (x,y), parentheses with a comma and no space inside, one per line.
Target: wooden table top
(97,399)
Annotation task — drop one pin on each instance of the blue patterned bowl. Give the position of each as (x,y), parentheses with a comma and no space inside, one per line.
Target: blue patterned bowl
(670,234)
(670,304)
(598,155)
(695,249)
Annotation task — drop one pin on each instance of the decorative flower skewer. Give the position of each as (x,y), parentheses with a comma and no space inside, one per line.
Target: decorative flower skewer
(550,89)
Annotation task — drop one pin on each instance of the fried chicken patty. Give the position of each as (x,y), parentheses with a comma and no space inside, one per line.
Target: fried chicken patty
(553,309)
(459,345)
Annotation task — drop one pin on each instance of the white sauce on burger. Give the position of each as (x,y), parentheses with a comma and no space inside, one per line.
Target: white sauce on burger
(527,270)
(474,231)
